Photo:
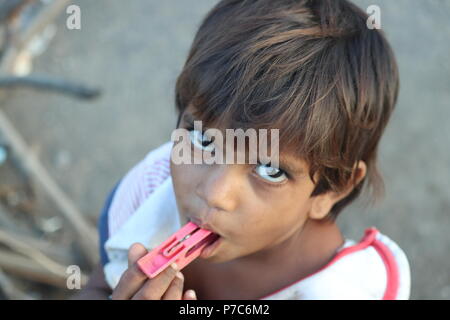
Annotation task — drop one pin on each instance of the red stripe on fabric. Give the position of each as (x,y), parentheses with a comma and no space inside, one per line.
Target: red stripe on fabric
(392,272)
(160,173)
(366,241)
(157,174)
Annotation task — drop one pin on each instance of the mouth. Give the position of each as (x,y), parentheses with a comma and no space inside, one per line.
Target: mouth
(213,240)
(195,221)
(210,249)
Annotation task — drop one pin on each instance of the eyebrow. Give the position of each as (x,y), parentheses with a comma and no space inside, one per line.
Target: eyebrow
(189,118)
(291,168)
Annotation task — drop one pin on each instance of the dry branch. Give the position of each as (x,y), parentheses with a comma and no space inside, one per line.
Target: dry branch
(85,233)
(10,290)
(52,250)
(28,269)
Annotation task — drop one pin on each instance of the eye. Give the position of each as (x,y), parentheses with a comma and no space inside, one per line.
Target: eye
(201,141)
(269,173)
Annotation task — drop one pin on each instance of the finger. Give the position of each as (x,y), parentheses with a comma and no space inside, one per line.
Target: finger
(175,290)
(133,278)
(190,295)
(154,289)
(136,252)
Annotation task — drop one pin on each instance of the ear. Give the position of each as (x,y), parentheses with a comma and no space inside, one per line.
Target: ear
(322,204)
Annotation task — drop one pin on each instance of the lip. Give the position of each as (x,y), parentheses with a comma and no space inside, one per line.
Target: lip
(203,226)
(211,248)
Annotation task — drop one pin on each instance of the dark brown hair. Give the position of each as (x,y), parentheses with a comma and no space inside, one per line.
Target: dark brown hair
(311,68)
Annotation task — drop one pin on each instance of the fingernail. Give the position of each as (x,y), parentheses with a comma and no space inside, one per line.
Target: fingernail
(180,275)
(191,294)
(174,266)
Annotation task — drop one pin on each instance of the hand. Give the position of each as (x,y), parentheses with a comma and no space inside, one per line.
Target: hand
(135,285)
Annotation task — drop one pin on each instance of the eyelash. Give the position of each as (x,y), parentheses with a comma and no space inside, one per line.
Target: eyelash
(190,127)
(274,184)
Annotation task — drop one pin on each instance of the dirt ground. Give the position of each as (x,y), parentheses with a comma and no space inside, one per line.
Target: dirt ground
(134,51)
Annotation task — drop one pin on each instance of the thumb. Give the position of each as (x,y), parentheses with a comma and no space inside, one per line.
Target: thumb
(190,295)
(136,252)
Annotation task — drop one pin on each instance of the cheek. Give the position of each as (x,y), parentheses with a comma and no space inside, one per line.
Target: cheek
(180,174)
(183,179)
(268,219)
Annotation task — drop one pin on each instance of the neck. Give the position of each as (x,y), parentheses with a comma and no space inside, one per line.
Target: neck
(304,252)
(296,257)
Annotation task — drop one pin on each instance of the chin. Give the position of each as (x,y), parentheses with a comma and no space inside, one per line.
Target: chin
(222,257)
(215,259)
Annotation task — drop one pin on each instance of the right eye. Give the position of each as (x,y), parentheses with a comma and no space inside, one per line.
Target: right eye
(201,141)
(271,174)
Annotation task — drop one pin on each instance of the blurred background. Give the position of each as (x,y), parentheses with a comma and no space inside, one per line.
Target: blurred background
(107,99)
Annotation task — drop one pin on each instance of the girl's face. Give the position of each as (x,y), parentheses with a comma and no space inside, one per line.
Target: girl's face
(251,208)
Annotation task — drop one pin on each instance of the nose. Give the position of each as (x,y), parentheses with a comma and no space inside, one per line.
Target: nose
(219,188)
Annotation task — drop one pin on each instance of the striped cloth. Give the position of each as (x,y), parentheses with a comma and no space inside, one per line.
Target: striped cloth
(137,185)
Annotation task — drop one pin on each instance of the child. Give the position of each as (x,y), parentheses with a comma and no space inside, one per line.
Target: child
(314,70)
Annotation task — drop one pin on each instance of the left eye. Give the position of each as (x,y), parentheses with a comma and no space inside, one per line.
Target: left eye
(269,173)
(201,141)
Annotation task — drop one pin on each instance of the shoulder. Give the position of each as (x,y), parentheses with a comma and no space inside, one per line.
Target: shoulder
(374,268)
(137,184)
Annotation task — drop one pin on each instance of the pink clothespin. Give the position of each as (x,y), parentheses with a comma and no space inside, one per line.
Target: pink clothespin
(181,248)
